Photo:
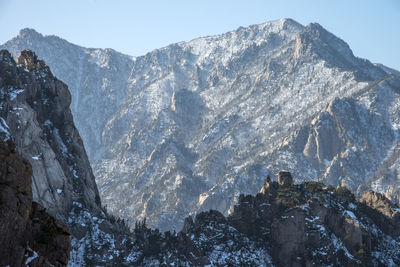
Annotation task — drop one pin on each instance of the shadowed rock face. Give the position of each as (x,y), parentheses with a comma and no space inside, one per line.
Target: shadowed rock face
(28,234)
(385,213)
(285,178)
(31,98)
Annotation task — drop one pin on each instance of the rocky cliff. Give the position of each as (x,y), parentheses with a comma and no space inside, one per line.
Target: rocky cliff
(28,234)
(35,106)
(35,118)
(94,97)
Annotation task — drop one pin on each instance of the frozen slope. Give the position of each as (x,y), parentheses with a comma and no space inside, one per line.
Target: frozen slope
(189,126)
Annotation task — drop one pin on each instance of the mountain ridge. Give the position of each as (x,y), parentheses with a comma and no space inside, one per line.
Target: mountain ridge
(208,116)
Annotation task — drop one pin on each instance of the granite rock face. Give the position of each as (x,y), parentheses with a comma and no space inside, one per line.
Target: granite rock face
(35,107)
(388,217)
(35,117)
(285,178)
(202,121)
(28,234)
(94,97)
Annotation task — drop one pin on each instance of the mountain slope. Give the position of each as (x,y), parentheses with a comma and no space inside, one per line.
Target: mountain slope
(189,127)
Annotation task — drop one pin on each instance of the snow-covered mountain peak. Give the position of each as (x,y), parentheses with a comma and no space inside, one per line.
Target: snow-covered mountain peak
(29,32)
(231,43)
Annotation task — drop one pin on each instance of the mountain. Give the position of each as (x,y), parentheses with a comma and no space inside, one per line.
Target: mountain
(191,126)
(285,224)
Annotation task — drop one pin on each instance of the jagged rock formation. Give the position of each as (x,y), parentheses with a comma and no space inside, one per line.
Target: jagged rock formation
(285,178)
(94,97)
(35,105)
(28,234)
(286,224)
(312,225)
(200,122)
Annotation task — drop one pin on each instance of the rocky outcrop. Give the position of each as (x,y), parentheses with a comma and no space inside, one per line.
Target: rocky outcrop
(28,234)
(285,178)
(287,224)
(309,224)
(380,203)
(383,211)
(94,97)
(35,115)
(345,144)
(35,106)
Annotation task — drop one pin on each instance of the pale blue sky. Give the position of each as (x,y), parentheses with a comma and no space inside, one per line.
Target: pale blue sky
(371,27)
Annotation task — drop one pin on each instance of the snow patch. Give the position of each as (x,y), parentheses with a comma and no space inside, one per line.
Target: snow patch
(64,148)
(350,214)
(4,129)
(15,93)
(31,258)
(352,206)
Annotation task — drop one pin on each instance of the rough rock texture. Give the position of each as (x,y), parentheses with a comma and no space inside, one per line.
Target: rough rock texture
(35,106)
(304,224)
(28,234)
(200,122)
(342,144)
(309,224)
(285,178)
(94,97)
(388,217)
(381,203)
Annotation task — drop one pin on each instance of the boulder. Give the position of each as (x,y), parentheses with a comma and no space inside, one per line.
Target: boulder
(285,178)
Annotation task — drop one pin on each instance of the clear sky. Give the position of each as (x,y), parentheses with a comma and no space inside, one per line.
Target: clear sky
(370,27)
